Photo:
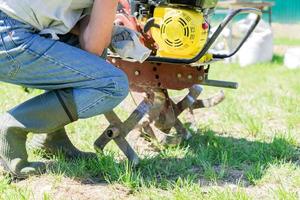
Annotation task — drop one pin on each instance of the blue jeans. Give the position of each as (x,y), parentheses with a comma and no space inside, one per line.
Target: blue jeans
(30,60)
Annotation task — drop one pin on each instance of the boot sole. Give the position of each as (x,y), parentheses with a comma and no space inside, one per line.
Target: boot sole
(12,176)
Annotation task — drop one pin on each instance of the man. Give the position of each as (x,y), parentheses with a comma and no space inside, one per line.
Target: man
(78,82)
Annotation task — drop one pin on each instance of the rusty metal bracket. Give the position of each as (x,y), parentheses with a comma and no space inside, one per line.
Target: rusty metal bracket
(160,75)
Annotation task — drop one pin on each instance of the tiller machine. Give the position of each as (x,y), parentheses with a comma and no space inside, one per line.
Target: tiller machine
(179,34)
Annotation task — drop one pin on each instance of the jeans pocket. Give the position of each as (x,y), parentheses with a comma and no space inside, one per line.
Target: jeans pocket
(15,33)
(7,41)
(9,66)
(14,68)
(13,38)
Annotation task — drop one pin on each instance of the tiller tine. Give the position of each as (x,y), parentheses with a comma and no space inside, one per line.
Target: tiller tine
(209,102)
(118,130)
(168,118)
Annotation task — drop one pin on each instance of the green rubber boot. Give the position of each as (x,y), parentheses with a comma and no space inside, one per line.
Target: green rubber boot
(45,113)
(56,143)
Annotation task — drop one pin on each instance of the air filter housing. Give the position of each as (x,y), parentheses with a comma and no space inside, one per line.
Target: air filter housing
(179,32)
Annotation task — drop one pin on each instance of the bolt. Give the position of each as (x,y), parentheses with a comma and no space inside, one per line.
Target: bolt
(179,75)
(200,78)
(137,73)
(190,77)
(112,132)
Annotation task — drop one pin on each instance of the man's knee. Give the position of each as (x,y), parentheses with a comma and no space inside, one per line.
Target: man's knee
(115,83)
(122,84)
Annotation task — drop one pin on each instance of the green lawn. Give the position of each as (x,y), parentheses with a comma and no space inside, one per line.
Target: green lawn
(287,41)
(245,148)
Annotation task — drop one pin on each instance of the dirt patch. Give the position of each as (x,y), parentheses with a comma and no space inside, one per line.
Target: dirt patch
(232,177)
(69,189)
(280,49)
(141,145)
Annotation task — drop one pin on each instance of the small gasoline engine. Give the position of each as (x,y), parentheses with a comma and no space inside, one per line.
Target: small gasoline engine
(178,27)
(179,34)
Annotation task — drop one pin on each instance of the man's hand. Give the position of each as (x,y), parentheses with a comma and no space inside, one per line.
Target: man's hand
(95,30)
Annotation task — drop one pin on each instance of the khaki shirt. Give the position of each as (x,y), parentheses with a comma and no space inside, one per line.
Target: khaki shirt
(48,16)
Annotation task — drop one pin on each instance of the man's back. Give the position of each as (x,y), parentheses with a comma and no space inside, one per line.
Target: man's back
(55,16)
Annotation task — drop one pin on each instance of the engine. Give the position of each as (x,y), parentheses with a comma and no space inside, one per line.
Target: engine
(179,27)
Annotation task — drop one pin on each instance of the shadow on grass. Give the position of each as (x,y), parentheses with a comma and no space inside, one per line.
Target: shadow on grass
(207,158)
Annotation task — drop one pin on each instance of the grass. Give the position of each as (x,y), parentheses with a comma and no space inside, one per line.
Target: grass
(287,41)
(245,148)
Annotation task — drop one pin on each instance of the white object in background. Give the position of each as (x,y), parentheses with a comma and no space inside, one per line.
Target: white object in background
(292,58)
(259,46)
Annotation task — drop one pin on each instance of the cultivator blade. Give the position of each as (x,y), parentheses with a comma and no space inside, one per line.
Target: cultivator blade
(210,102)
(156,116)
(118,130)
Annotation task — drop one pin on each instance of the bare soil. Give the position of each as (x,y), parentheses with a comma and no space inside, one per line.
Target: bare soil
(69,189)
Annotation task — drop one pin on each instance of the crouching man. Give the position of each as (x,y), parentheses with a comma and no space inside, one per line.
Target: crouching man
(55,46)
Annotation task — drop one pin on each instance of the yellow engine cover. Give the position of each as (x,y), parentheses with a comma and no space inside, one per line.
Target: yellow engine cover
(180,33)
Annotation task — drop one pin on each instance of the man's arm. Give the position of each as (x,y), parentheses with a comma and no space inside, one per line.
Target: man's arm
(95,30)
